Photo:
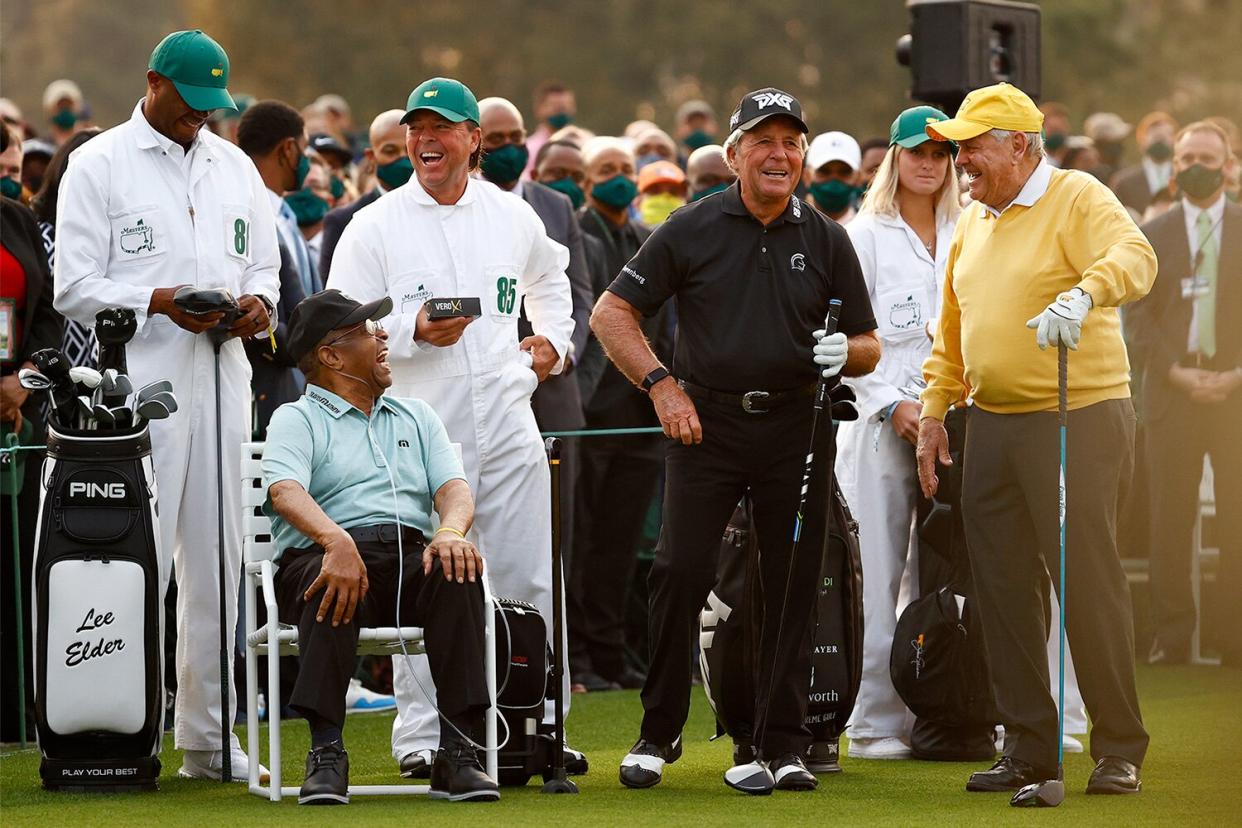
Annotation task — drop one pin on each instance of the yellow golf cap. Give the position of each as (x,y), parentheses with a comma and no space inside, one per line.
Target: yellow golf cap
(1001,106)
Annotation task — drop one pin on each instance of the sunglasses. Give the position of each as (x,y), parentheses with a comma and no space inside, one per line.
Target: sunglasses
(372,328)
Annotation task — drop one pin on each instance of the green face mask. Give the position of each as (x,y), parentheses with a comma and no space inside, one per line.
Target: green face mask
(336,187)
(655,209)
(697,139)
(65,118)
(617,192)
(716,188)
(1053,141)
(568,187)
(833,196)
(560,120)
(10,188)
(395,174)
(505,165)
(307,207)
(301,171)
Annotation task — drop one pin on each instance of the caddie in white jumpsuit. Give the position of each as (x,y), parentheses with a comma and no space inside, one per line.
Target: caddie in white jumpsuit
(446,234)
(150,205)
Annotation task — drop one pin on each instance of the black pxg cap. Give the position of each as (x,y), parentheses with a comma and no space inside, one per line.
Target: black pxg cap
(756,107)
(317,316)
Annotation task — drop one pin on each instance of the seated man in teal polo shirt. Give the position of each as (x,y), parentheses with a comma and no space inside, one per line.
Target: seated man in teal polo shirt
(352,478)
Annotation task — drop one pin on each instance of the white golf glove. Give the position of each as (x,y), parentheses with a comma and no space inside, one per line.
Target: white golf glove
(831,352)
(1062,320)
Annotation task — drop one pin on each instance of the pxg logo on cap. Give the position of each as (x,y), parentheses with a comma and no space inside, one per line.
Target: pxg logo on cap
(761,104)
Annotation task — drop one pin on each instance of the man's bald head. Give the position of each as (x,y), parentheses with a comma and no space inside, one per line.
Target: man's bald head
(501,124)
(385,123)
(706,167)
(387,137)
(491,109)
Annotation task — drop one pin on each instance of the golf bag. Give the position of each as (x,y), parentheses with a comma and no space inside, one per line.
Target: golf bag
(522,681)
(938,664)
(99,685)
(730,626)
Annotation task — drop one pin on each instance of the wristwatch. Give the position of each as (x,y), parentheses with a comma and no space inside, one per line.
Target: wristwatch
(267,303)
(655,376)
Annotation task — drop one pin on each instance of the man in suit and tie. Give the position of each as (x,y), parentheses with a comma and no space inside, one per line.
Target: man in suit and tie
(1136,186)
(1190,331)
(392,167)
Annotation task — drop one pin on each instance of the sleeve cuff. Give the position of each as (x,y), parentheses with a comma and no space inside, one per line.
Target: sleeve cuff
(934,407)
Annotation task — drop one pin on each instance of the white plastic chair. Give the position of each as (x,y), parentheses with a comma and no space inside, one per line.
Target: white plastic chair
(257,551)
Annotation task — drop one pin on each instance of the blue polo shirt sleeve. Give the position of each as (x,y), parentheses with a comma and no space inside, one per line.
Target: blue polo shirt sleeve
(439,456)
(290,447)
(654,274)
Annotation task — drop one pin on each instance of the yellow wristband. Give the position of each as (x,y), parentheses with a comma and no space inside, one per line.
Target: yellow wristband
(456,532)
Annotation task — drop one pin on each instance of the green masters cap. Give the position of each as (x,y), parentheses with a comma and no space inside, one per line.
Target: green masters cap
(910,128)
(197,66)
(444,96)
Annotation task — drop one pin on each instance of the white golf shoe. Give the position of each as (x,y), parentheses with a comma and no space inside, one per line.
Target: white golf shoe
(208,764)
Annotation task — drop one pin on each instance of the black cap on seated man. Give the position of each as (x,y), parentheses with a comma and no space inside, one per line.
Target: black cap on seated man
(352,480)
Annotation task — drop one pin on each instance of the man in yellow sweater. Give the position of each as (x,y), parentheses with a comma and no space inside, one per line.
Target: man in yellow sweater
(1044,256)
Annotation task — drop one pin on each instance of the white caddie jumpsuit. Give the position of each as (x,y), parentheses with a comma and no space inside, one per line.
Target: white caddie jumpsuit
(492,246)
(136,213)
(877,469)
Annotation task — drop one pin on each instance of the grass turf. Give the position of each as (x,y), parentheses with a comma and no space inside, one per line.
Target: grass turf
(1192,714)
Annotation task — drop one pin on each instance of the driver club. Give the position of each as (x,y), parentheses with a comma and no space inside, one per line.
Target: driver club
(1051,793)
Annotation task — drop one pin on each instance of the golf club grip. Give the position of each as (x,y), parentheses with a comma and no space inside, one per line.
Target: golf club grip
(830,328)
(1062,382)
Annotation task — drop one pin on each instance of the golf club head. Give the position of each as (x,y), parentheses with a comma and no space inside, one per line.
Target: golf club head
(85,411)
(1047,794)
(33,380)
(85,375)
(102,415)
(153,410)
(165,397)
(753,778)
(844,411)
(149,390)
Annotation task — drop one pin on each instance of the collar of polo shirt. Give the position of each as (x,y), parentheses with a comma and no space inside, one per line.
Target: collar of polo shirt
(731,202)
(336,405)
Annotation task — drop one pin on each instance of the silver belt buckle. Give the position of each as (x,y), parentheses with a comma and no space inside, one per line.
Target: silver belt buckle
(751,398)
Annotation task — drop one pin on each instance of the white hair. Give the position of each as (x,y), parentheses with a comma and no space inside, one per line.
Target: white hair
(735,138)
(1034,141)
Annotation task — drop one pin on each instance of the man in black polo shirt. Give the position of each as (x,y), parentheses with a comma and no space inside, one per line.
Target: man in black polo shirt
(752,270)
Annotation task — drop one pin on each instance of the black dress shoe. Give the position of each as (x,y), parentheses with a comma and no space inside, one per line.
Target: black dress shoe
(1114,775)
(1008,774)
(644,765)
(458,776)
(790,774)
(417,765)
(327,776)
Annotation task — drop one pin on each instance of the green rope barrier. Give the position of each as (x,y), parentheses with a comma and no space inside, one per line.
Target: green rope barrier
(11,447)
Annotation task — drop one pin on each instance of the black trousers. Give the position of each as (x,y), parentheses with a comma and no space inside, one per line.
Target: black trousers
(764,454)
(1010,510)
(451,615)
(1176,445)
(615,486)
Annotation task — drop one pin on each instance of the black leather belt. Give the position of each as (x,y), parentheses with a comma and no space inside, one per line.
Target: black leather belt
(387,533)
(752,402)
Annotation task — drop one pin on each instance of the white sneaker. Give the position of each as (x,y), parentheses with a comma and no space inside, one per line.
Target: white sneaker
(359,699)
(207,764)
(1070,745)
(883,747)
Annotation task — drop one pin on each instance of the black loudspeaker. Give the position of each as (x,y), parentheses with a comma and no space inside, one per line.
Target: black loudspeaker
(955,46)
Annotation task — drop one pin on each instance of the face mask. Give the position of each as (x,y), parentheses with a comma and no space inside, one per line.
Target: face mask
(301,171)
(697,139)
(656,208)
(504,165)
(65,119)
(336,187)
(833,196)
(1159,151)
(649,158)
(10,188)
(617,192)
(719,188)
(568,187)
(1054,141)
(395,174)
(560,120)
(307,207)
(1198,181)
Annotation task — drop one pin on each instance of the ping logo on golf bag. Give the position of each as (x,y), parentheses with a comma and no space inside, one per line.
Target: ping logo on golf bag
(108,491)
